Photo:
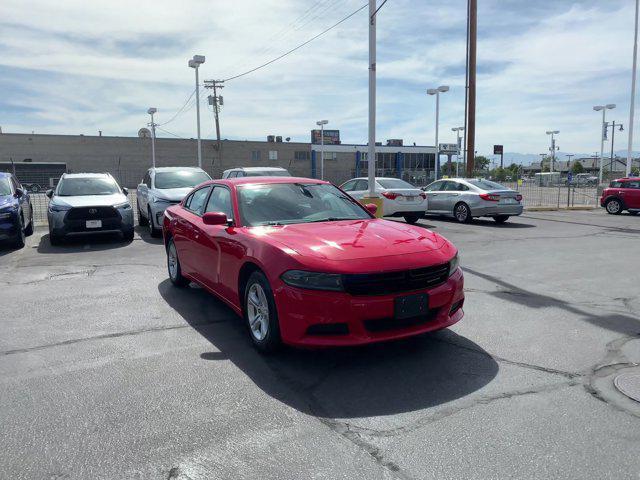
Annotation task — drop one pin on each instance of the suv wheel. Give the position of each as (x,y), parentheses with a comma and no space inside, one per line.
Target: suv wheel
(412,218)
(20,239)
(613,206)
(142,220)
(153,231)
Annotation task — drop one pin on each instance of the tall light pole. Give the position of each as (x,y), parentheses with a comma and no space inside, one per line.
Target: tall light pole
(437,92)
(458,130)
(321,124)
(151,111)
(371,151)
(553,147)
(603,133)
(195,63)
(633,93)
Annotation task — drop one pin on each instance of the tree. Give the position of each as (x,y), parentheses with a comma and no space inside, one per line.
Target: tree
(635,172)
(481,162)
(577,167)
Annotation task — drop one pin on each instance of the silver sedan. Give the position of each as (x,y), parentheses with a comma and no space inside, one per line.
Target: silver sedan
(466,198)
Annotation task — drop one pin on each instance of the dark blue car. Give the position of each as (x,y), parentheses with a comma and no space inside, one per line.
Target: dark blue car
(16,213)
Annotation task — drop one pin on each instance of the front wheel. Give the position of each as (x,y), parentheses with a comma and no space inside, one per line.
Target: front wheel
(153,231)
(127,235)
(29,230)
(500,219)
(412,218)
(261,315)
(19,241)
(462,213)
(613,206)
(173,266)
(142,220)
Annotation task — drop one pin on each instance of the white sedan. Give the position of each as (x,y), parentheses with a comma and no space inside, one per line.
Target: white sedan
(400,199)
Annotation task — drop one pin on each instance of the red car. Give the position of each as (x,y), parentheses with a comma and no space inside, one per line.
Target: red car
(307,265)
(622,194)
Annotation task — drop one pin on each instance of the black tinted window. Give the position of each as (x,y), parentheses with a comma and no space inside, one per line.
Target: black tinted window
(180,179)
(197,199)
(220,201)
(348,186)
(434,187)
(78,186)
(361,185)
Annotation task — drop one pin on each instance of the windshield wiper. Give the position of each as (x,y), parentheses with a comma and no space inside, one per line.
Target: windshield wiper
(332,219)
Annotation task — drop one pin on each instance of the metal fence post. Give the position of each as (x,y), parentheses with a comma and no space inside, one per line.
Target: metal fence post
(559,187)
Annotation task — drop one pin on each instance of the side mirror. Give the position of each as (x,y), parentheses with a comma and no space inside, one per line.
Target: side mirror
(125,191)
(214,218)
(49,193)
(372,208)
(19,193)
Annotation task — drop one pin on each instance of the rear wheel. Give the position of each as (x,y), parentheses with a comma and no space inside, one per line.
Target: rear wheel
(412,218)
(153,231)
(127,235)
(613,206)
(20,239)
(173,266)
(462,213)
(501,218)
(260,314)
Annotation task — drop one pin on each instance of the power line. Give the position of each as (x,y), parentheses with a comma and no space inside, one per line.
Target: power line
(170,133)
(298,47)
(180,110)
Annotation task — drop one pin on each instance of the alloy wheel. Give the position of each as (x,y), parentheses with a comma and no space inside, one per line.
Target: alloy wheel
(258,312)
(172,261)
(462,213)
(613,206)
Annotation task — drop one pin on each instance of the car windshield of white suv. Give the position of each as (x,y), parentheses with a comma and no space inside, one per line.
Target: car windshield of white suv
(286,203)
(267,173)
(180,179)
(73,187)
(487,185)
(394,183)
(5,187)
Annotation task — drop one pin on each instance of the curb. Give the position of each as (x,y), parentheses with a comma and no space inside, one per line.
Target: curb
(555,209)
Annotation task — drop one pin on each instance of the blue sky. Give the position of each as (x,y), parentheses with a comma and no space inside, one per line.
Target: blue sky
(74,66)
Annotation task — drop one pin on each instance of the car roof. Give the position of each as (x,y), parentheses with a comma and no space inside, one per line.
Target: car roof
(174,169)
(87,175)
(257,169)
(266,180)
(633,179)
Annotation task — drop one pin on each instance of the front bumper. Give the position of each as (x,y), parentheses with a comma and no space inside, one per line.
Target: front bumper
(9,227)
(318,318)
(157,211)
(60,224)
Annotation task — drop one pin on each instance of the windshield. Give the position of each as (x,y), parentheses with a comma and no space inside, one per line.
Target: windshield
(487,185)
(394,183)
(180,179)
(5,187)
(267,173)
(72,187)
(285,203)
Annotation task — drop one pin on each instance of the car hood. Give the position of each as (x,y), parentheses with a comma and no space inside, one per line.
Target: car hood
(5,200)
(350,240)
(90,200)
(171,194)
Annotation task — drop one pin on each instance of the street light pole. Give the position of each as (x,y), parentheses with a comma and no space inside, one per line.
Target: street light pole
(151,111)
(553,148)
(195,63)
(321,124)
(613,138)
(436,92)
(633,94)
(371,151)
(604,108)
(458,130)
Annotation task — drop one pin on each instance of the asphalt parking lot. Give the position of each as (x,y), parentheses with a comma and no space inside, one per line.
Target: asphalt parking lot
(107,371)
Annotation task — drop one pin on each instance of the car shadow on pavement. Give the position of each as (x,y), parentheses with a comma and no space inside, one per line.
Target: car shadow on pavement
(82,243)
(625,324)
(145,236)
(486,222)
(381,379)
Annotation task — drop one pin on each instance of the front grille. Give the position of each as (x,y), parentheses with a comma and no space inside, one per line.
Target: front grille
(396,282)
(386,324)
(92,213)
(328,329)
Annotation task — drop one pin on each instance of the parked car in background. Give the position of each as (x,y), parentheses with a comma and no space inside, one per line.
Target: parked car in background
(162,187)
(584,180)
(622,194)
(87,203)
(16,212)
(307,265)
(256,172)
(400,199)
(466,198)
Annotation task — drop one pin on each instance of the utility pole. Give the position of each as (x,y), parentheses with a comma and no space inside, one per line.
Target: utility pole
(216,101)
(471,126)
(195,63)
(613,138)
(151,111)
(371,155)
(633,94)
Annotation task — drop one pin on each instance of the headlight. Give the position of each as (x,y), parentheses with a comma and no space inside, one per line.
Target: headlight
(123,206)
(160,200)
(313,280)
(454,263)
(8,207)
(58,208)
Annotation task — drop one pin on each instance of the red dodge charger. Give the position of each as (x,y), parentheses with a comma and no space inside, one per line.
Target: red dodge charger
(307,265)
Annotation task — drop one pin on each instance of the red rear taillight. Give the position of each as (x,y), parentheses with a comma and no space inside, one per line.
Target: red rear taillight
(490,197)
(390,195)
(519,198)
(423,195)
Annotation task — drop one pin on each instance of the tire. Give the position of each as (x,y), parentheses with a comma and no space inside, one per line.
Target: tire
(19,241)
(174,270)
(413,218)
(54,239)
(258,302)
(462,213)
(614,206)
(500,219)
(635,212)
(127,235)
(29,230)
(142,220)
(153,231)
